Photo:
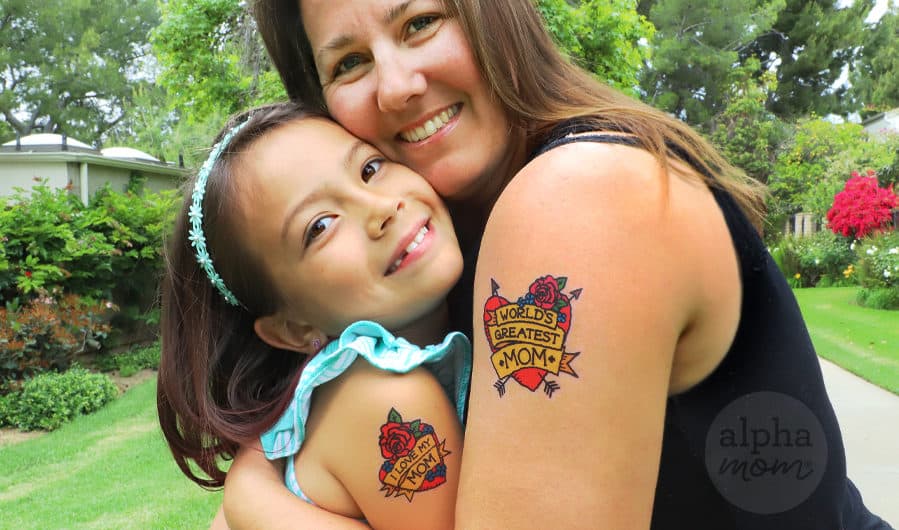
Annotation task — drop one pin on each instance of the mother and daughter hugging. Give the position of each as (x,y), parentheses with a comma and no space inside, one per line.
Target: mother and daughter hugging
(450,224)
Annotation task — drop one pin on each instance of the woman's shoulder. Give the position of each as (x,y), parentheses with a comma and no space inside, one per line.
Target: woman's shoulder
(616,207)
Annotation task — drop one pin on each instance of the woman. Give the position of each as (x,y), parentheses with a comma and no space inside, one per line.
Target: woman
(638,343)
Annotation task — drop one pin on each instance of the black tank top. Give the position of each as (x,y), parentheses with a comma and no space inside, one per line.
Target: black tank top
(756,444)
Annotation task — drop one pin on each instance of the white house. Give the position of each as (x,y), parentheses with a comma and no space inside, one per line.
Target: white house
(883,124)
(66,162)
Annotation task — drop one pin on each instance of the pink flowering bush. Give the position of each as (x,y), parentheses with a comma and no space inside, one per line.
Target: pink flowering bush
(862,208)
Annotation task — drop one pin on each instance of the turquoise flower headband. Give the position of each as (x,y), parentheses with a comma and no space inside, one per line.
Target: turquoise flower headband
(196,236)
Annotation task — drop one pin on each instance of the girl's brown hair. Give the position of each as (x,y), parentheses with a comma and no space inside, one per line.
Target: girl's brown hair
(219,385)
(537,86)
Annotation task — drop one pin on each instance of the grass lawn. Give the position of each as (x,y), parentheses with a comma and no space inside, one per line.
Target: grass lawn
(863,341)
(111,469)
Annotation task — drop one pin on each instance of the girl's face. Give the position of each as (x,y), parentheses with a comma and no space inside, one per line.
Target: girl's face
(400,74)
(346,234)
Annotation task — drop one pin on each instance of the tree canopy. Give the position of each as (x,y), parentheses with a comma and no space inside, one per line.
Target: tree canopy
(69,65)
(696,47)
(809,45)
(875,76)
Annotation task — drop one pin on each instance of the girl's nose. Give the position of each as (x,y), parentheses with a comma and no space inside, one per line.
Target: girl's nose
(382,212)
(398,81)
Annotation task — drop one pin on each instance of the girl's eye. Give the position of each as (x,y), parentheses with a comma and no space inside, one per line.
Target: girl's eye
(370,168)
(317,228)
(420,23)
(346,64)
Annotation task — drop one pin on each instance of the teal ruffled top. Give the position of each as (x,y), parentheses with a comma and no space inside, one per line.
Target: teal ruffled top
(450,361)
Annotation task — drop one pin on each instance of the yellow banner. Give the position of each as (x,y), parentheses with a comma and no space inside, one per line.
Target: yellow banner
(409,472)
(526,333)
(527,313)
(515,357)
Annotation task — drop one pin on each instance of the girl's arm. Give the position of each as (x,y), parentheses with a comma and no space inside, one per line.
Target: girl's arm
(591,267)
(256,498)
(393,441)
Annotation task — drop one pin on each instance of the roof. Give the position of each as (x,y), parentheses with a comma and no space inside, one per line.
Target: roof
(48,140)
(888,115)
(126,153)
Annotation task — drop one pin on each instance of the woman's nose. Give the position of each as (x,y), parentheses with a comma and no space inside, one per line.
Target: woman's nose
(398,81)
(383,211)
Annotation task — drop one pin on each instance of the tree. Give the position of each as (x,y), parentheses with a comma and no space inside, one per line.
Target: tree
(875,76)
(68,65)
(746,132)
(602,36)
(696,48)
(810,44)
(818,160)
(212,59)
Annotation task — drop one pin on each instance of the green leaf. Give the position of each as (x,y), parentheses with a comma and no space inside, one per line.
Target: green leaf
(562,280)
(394,416)
(415,427)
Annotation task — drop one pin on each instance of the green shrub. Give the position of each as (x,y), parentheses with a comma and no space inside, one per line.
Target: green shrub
(49,400)
(5,407)
(878,271)
(822,256)
(131,362)
(111,249)
(878,298)
(46,333)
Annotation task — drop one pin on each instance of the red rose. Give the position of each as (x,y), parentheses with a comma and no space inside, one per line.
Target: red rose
(396,440)
(545,291)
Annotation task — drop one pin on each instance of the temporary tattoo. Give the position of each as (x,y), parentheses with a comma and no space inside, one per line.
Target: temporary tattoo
(414,457)
(527,338)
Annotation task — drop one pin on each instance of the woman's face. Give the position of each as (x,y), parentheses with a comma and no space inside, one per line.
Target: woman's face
(401,75)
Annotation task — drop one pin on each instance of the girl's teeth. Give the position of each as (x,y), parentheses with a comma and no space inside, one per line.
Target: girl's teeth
(418,239)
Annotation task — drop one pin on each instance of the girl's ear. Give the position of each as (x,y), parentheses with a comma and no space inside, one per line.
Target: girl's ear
(284,334)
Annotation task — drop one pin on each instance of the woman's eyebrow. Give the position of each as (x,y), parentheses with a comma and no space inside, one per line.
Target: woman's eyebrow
(396,12)
(342,41)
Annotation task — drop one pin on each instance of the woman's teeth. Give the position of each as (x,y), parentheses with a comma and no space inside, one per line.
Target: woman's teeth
(412,246)
(431,126)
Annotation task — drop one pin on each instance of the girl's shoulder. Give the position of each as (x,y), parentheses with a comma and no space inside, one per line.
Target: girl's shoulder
(384,435)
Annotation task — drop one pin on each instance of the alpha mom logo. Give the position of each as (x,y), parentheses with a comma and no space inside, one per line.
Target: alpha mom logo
(766,452)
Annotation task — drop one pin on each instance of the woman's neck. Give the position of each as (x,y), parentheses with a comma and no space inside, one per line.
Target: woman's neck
(429,329)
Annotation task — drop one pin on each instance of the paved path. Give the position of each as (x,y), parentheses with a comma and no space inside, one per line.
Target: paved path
(869,421)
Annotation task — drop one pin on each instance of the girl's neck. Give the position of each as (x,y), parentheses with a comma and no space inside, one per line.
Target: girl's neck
(429,329)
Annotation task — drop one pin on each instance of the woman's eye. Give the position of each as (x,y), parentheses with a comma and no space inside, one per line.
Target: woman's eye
(419,23)
(317,228)
(346,64)
(370,168)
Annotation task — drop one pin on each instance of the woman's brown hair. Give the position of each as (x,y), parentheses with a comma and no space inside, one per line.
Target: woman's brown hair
(537,86)
(219,385)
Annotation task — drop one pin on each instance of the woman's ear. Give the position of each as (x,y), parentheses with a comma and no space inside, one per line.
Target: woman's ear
(279,332)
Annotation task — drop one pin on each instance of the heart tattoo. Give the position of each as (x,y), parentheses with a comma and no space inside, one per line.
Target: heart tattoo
(527,338)
(413,457)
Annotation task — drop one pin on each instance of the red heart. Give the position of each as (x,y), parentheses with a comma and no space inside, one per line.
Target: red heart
(530,378)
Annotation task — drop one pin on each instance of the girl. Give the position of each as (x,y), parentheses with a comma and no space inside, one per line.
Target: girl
(298,248)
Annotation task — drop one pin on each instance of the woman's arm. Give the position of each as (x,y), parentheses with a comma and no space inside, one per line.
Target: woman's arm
(568,394)
(256,497)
